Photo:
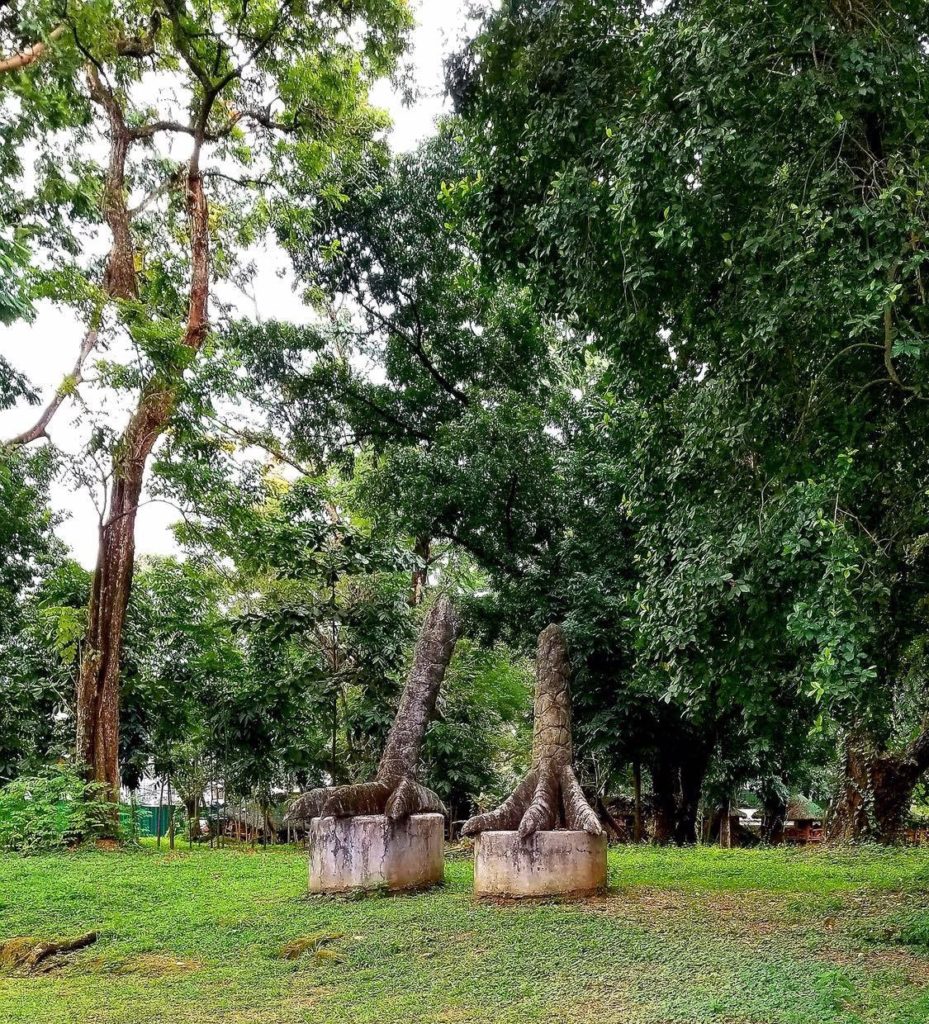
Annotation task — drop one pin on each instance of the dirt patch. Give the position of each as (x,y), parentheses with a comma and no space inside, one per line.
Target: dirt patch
(316,943)
(741,914)
(156,965)
(912,969)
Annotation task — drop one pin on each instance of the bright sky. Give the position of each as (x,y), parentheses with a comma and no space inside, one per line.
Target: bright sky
(46,349)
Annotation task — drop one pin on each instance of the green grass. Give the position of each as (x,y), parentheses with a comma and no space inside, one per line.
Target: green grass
(684,937)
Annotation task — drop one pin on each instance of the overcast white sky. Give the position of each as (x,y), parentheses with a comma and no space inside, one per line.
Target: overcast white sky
(45,350)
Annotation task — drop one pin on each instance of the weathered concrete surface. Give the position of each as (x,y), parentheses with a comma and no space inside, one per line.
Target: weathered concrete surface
(371,852)
(545,864)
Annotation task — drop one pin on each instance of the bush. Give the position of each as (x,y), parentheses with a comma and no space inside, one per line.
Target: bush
(52,810)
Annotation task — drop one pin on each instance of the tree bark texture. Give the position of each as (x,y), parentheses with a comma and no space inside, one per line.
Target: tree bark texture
(44,950)
(119,277)
(725,826)
(395,791)
(549,796)
(877,790)
(30,54)
(97,715)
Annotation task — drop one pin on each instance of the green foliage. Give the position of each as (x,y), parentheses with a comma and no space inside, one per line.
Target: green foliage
(51,810)
(724,201)
(32,680)
(478,747)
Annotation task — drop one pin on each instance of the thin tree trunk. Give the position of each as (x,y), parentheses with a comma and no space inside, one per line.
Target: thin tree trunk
(161,797)
(637,796)
(170,816)
(420,574)
(725,826)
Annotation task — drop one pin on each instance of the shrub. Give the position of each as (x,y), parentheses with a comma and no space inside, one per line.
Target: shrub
(53,809)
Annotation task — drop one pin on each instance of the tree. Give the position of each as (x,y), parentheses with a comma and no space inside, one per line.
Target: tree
(33,680)
(275,89)
(489,428)
(725,200)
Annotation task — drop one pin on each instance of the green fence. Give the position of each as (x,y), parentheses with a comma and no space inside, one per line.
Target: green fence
(155,821)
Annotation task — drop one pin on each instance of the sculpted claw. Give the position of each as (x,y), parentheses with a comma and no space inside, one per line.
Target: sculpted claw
(550,795)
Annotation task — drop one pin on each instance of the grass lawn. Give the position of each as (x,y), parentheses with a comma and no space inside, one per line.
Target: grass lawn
(742,937)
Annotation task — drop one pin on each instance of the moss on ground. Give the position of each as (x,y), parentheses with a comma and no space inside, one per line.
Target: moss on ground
(684,937)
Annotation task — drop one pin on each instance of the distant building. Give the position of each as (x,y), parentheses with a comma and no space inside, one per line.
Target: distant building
(803,822)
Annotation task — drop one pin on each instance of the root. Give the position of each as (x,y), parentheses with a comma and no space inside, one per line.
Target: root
(508,815)
(28,955)
(542,801)
(542,813)
(341,801)
(412,798)
(578,813)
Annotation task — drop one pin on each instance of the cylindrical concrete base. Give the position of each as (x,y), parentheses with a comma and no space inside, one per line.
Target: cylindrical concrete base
(371,852)
(546,864)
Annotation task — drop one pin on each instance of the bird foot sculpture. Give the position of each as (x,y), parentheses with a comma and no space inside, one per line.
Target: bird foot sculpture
(549,796)
(395,791)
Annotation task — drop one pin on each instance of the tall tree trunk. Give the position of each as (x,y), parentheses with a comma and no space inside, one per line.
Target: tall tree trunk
(877,789)
(693,766)
(550,795)
(678,769)
(97,714)
(119,277)
(664,772)
(395,791)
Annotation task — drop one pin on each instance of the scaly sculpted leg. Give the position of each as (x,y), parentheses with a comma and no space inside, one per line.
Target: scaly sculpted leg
(395,791)
(550,794)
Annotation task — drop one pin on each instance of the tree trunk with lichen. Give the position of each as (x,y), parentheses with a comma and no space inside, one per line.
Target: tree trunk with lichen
(97,705)
(395,791)
(550,796)
(877,789)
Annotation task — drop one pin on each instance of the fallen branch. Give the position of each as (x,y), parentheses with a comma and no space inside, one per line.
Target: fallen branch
(46,949)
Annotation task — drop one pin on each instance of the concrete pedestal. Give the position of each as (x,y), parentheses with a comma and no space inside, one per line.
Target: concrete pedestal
(371,852)
(546,864)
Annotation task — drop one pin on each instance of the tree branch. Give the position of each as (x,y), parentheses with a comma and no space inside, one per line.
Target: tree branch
(32,53)
(65,388)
